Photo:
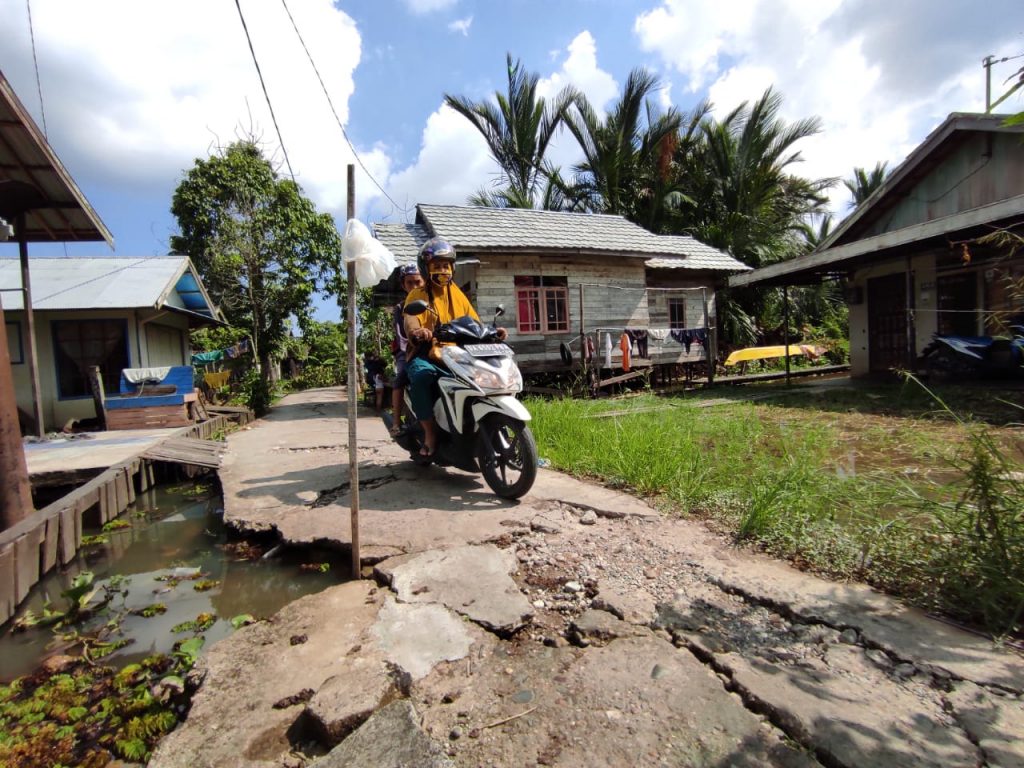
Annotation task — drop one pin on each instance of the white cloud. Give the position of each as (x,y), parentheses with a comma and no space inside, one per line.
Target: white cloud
(580,70)
(137,91)
(452,164)
(421,7)
(461,26)
(454,161)
(868,68)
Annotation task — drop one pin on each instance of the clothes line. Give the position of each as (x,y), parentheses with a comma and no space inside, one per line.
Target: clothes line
(640,288)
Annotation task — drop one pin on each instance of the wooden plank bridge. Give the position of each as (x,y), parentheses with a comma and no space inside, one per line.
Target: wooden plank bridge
(188,450)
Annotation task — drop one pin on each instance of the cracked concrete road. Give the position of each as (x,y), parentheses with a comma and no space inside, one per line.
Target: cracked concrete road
(279,470)
(538,633)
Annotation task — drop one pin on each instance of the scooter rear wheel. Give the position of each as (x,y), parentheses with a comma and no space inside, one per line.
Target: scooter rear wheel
(507,455)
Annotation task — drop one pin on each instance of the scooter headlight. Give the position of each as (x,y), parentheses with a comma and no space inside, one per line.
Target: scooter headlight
(504,376)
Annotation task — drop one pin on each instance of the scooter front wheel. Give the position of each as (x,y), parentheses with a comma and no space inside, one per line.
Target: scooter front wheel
(507,455)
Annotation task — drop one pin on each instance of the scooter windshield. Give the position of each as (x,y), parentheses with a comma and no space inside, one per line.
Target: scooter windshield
(468,327)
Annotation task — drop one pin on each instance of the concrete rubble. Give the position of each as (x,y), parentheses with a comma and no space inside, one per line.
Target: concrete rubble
(575,627)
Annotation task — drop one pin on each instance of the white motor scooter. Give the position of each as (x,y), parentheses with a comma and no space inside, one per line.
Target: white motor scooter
(482,427)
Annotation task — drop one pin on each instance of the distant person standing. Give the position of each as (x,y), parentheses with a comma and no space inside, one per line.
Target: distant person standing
(410,277)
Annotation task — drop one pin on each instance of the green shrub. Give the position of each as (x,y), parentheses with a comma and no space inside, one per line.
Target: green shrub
(255,392)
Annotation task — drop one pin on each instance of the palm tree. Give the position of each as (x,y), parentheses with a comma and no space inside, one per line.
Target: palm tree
(747,201)
(518,130)
(626,167)
(863,183)
(815,236)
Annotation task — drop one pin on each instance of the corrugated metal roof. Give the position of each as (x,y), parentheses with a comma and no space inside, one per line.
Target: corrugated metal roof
(504,229)
(403,240)
(100,283)
(57,209)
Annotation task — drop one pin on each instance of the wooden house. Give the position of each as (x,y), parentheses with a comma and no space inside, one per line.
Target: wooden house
(565,278)
(115,313)
(909,256)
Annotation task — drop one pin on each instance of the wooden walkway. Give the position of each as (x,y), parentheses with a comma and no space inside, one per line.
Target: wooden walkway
(188,450)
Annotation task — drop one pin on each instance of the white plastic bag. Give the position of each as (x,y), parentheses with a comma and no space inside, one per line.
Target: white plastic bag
(373,262)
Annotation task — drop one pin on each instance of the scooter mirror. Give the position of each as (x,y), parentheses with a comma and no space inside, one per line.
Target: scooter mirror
(417,307)
(500,310)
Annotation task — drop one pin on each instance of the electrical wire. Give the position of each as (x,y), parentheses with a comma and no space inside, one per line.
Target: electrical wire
(35,63)
(39,84)
(330,102)
(263,85)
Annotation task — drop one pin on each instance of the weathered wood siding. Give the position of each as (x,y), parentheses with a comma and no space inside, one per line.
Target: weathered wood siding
(985,168)
(614,297)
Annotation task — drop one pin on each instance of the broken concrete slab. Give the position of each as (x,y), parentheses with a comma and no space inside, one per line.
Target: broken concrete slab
(851,713)
(345,701)
(637,701)
(474,581)
(593,627)
(994,722)
(232,721)
(629,603)
(907,633)
(391,738)
(418,637)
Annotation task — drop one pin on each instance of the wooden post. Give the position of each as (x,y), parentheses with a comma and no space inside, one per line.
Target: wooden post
(98,396)
(708,351)
(583,336)
(30,328)
(15,491)
(911,329)
(785,324)
(353,389)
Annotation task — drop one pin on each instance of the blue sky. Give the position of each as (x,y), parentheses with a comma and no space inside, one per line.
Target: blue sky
(135,91)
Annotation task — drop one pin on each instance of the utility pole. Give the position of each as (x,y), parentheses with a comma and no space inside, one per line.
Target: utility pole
(353,388)
(15,491)
(987,64)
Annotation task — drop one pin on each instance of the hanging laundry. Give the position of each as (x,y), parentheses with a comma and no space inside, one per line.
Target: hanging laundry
(690,336)
(658,334)
(683,337)
(607,350)
(588,348)
(639,338)
(624,345)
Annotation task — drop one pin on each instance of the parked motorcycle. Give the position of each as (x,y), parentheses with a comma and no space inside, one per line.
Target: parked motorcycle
(482,427)
(948,356)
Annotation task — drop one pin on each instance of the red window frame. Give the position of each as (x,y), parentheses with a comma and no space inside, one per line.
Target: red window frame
(542,309)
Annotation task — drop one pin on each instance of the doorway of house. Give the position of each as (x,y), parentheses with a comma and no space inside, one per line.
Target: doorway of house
(887,323)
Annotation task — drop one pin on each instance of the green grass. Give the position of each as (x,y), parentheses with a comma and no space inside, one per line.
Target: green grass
(774,476)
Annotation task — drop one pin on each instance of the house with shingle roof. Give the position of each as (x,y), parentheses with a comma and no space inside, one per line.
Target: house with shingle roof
(560,274)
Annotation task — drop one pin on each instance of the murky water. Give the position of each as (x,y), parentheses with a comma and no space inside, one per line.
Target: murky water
(181,528)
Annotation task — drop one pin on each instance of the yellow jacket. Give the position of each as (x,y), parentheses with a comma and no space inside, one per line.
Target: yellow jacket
(448,302)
